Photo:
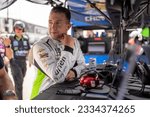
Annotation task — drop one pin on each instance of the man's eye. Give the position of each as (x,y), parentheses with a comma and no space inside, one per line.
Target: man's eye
(58,23)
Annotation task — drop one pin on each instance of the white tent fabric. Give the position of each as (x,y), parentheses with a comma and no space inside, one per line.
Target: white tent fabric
(6,3)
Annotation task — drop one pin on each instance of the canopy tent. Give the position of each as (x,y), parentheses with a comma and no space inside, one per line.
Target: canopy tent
(6,3)
(83,15)
(94,11)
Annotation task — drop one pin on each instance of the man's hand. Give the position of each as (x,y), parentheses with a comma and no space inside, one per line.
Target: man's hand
(70,76)
(10,98)
(67,40)
(7,41)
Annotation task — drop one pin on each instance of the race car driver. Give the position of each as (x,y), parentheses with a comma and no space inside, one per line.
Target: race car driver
(57,57)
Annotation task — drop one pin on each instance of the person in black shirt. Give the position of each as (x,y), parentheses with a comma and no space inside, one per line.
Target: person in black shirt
(20,46)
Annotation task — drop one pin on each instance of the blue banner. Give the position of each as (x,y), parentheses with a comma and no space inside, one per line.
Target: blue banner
(82,11)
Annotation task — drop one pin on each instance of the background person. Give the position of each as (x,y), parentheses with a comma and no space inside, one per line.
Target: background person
(136,41)
(3,53)
(20,47)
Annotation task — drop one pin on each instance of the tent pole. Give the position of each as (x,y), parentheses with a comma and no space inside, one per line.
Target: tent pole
(137,15)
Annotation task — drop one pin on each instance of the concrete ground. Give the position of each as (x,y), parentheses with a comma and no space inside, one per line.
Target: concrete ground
(28,80)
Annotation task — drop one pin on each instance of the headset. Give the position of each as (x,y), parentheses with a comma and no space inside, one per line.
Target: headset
(93,78)
(19,24)
(90,80)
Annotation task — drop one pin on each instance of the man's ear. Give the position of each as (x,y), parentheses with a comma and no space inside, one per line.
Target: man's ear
(68,26)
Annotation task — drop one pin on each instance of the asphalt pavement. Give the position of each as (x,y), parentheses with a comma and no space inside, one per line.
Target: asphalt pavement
(28,81)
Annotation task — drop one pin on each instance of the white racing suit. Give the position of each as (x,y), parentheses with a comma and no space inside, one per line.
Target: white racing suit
(53,62)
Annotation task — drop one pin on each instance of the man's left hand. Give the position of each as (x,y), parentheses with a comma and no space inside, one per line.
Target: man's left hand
(70,76)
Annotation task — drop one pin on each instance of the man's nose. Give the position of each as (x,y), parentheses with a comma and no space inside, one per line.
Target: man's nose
(53,25)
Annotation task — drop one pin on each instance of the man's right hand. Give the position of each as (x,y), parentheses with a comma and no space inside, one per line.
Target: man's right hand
(67,40)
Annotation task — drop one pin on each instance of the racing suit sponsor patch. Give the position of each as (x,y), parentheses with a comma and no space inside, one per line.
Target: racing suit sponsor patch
(43,55)
(62,61)
(41,50)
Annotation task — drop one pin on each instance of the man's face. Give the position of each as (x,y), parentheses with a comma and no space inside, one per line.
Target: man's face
(18,31)
(58,25)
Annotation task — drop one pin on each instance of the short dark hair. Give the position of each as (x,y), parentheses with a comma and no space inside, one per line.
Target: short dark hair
(59,9)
